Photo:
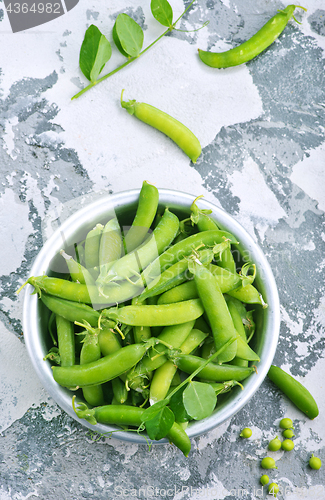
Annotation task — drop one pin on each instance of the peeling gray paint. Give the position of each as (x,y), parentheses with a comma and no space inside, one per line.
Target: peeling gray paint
(317,22)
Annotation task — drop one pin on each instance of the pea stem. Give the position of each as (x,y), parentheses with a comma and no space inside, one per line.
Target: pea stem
(211,358)
(131,59)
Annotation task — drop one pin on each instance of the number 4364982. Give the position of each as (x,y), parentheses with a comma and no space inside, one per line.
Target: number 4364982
(35,8)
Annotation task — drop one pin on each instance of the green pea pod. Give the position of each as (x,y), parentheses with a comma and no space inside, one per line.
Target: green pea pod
(108,341)
(72,311)
(252,47)
(208,348)
(123,415)
(238,361)
(222,387)
(243,350)
(201,217)
(216,310)
(214,372)
(140,333)
(78,272)
(66,340)
(248,294)
(179,438)
(102,370)
(246,317)
(156,315)
(226,280)
(173,336)
(111,245)
(90,351)
(132,263)
(184,291)
(164,375)
(183,249)
(165,123)
(144,217)
(92,243)
(294,390)
(78,292)
(119,390)
(172,277)
(206,223)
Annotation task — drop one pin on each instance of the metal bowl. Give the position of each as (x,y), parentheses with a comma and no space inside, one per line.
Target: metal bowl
(124,204)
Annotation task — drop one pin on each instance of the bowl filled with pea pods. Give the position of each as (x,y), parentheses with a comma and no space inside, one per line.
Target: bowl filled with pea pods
(151,315)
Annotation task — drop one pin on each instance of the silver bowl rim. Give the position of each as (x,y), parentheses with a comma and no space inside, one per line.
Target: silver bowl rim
(167,196)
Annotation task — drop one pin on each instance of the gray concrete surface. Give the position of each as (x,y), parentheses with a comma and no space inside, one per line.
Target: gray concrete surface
(261,126)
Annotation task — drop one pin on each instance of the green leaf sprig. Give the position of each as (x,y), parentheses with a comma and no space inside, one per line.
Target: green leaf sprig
(189,400)
(128,37)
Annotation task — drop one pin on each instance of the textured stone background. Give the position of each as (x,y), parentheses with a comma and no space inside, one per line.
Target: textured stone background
(261,126)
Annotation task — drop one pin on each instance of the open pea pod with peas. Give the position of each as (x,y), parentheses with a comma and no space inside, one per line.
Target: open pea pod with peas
(162,319)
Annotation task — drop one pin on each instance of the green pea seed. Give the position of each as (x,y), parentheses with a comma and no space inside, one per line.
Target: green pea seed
(274,444)
(268,463)
(286,423)
(273,489)
(287,445)
(315,462)
(288,433)
(264,479)
(246,433)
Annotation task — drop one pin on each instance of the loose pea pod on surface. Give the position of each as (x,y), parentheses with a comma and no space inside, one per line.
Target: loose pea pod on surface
(294,390)
(165,123)
(252,47)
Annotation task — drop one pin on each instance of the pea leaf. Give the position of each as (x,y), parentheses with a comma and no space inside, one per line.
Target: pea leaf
(162,12)
(129,34)
(199,400)
(158,419)
(117,42)
(95,51)
(153,410)
(176,404)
